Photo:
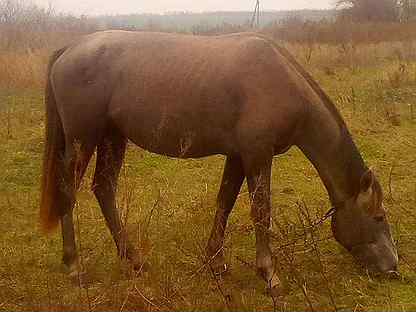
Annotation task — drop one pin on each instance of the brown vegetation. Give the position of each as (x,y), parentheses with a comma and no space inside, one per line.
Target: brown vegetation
(28,34)
(369,10)
(24,52)
(341,32)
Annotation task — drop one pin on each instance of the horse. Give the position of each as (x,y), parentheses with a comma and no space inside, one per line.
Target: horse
(240,95)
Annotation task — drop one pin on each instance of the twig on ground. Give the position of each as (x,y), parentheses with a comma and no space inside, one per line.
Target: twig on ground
(146,299)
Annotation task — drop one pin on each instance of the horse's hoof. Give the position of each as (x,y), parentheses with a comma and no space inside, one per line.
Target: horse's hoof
(135,258)
(79,278)
(275,292)
(217,264)
(274,287)
(140,266)
(220,269)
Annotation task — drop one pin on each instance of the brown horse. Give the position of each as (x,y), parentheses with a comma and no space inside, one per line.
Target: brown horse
(238,95)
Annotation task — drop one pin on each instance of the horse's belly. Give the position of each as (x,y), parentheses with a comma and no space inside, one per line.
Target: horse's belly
(185,146)
(184,138)
(176,126)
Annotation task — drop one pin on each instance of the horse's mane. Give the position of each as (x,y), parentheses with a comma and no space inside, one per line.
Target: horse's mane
(355,163)
(307,76)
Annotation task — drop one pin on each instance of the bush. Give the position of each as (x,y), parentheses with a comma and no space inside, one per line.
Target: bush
(24,26)
(341,32)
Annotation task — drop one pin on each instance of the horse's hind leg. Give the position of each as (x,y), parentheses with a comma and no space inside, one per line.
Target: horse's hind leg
(232,180)
(110,156)
(75,163)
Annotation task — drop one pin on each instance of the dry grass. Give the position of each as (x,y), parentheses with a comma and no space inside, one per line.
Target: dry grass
(25,70)
(23,64)
(295,30)
(330,57)
(24,67)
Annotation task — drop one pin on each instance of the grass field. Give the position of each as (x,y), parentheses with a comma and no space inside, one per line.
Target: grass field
(169,206)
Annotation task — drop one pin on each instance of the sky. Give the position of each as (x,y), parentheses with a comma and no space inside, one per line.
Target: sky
(94,7)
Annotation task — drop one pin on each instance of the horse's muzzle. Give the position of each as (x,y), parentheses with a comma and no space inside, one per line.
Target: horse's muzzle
(380,256)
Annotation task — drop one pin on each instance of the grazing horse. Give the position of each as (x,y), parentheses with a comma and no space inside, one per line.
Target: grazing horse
(239,95)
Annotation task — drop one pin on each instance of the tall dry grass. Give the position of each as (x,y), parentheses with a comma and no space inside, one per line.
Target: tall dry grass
(28,35)
(329,57)
(24,70)
(23,66)
(27,40)
(332,44)
(339,32)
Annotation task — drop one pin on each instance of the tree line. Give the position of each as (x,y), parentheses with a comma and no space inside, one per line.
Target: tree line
(377,10)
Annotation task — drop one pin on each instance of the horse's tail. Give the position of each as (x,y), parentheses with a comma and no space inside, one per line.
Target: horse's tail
(53,157)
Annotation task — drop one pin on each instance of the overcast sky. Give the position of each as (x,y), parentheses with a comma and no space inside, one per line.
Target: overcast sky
(92,7)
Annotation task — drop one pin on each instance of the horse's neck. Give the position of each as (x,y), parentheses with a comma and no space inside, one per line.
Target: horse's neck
(326,142)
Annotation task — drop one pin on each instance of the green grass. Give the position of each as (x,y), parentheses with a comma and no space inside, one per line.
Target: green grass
(316,272)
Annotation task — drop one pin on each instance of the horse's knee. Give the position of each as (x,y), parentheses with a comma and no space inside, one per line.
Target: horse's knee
(96,190)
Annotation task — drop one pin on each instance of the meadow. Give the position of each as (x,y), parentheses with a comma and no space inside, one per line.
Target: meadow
(168,205)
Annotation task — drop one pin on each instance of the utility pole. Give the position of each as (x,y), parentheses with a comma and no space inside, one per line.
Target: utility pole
(255,19)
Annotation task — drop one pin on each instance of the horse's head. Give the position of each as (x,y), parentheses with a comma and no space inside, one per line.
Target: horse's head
(361,226)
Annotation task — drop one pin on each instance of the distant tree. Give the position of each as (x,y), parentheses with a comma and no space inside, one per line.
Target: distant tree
(369,10)
(23,25)
(407,10)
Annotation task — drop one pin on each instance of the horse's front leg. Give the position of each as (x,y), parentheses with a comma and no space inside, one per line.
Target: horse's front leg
(258,180)
(232,180)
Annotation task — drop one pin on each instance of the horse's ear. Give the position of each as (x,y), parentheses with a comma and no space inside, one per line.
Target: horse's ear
(365,196)
(367,181)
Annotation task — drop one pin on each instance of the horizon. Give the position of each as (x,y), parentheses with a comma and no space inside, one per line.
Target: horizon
(221,11)
(165,7)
